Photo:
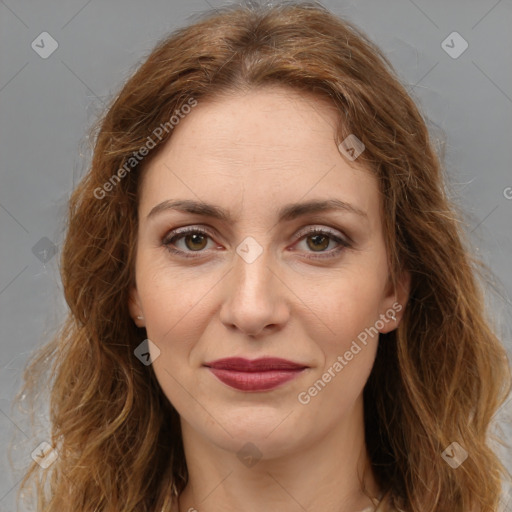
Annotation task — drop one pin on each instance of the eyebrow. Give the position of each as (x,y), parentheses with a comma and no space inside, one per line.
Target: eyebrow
(287,213)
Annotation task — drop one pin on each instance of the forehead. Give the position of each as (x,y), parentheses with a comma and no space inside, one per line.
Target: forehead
(269,146)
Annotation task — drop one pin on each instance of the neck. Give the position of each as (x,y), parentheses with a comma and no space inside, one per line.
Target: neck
(326,474)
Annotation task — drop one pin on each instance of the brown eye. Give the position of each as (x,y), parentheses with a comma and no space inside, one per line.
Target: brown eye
(320,242)
(185,241)
(195,241)
(317,240)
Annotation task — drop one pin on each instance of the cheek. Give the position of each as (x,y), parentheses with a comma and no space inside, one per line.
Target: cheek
(163,289)
(175,303)
(175,316)
(349,350)
(345,306)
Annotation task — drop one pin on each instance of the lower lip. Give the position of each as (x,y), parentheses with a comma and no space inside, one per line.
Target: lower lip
(255,381)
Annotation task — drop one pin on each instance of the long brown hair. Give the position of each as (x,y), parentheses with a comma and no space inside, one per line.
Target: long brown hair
(439,378)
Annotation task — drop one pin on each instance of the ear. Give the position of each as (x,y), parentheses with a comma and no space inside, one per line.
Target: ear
(394,303)
(135,308)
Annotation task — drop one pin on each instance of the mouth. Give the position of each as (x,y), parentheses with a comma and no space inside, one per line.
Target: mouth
(255,375)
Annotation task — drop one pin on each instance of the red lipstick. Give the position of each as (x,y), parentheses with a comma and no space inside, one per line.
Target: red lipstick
(254,375)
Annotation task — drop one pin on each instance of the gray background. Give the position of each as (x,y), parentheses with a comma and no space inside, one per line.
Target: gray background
(48,105)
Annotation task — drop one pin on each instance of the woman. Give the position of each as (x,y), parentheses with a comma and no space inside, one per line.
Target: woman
(211,360)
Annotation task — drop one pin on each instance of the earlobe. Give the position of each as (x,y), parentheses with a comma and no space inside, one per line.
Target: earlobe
(134,306)
(395,303)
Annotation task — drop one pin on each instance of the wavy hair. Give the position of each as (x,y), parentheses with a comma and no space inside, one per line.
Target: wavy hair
(440,377)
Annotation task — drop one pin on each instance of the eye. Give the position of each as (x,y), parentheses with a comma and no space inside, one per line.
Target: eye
(319,239)
(194,240)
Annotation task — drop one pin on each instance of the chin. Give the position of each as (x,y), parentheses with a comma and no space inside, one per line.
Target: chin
(273,434)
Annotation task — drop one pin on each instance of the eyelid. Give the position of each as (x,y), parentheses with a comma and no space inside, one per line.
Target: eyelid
(304,231)
(324,229)
(188,229)
(339,237)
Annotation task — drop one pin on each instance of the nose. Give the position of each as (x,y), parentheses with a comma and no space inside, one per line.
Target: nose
(256,299)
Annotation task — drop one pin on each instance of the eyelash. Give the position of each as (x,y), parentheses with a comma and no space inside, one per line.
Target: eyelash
(179,233)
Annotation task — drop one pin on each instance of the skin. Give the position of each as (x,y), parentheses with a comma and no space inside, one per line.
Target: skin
(251,154)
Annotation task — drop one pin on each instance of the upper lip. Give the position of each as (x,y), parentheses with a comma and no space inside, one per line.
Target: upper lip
(255,365)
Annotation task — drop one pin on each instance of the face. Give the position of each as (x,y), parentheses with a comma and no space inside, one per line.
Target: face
(254,275)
